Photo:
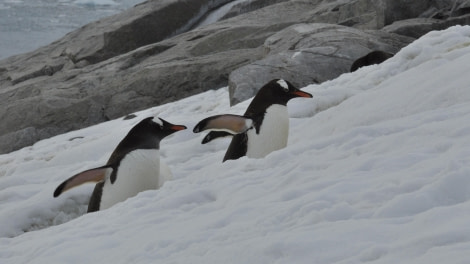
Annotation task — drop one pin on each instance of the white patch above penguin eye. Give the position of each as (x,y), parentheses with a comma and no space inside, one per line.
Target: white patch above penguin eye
(158,121)
(283,84)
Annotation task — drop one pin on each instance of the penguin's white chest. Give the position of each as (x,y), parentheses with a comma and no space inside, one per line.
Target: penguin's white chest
(138,171)
(273,134)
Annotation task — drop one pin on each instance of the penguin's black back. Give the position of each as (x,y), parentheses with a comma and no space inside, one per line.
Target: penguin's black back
(374,57)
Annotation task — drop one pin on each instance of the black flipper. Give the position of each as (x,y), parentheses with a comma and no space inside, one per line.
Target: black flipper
(93,175)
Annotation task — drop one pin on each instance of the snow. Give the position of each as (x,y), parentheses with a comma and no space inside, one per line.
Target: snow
(376,170)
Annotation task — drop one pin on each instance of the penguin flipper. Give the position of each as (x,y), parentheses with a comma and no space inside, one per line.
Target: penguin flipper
(231,124)
(213,135)
(93,175)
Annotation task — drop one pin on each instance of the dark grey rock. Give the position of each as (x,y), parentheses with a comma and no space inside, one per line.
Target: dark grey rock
(417,27)
(146,23)
(309,53)
(248,6)
(174,68)
(404,9)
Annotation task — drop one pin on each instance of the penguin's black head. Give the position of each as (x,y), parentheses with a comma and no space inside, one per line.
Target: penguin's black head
(148,132)
(279,91)
(160,127)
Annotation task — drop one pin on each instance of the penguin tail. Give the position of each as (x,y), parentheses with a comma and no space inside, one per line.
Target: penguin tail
(93,175)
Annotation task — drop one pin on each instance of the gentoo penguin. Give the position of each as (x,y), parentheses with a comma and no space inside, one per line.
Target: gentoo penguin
(374,57)
(262,129)
(134,166)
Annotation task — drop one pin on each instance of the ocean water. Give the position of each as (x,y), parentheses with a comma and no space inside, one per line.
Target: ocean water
(26,25)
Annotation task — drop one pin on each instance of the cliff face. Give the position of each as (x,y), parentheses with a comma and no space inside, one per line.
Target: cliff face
(154,53)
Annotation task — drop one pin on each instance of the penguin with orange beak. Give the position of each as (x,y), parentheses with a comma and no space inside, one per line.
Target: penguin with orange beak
(134,166)
(262,129)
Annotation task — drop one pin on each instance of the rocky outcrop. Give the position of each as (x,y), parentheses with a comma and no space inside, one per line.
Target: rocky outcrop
(147,23)
(80,94)
(416,27)
(152,54)
(248,6)
(437,15)
(309,53)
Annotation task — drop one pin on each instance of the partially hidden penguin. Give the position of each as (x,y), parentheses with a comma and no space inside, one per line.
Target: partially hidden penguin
(262,129)
(133,167)
(374,57)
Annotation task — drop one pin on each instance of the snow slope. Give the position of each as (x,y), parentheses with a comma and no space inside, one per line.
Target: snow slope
(377,170)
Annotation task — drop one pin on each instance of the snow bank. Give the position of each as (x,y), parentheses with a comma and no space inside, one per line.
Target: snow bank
(376,170)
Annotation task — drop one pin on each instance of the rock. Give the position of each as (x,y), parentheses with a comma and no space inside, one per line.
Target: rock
(417,27)
(462,9)
(396,10)
(309,53)
(146,23)
(174,68)
(248,6)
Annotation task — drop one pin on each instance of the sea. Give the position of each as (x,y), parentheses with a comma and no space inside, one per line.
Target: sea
(26,25)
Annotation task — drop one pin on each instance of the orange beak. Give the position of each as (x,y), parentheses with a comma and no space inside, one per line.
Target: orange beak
(178,127)
(300,93)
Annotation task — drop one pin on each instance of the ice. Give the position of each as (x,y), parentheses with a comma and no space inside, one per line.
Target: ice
(376,170)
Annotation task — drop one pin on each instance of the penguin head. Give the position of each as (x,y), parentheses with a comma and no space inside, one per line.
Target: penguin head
(148,132)
(161,127)
(278,91)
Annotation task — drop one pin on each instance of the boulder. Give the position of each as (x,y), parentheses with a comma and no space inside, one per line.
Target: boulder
(396,10)
(146,23)
(417,27)
(309,53)
(248,6)
(461,9)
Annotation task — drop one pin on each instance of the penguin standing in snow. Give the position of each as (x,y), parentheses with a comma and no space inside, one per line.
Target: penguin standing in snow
(134,166)
(262,129)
